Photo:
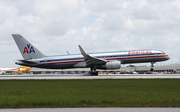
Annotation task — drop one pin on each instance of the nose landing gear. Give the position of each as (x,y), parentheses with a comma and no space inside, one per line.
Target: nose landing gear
(152,69)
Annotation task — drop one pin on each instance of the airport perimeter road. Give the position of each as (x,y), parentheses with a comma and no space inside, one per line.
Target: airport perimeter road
(93,110)
(81,76)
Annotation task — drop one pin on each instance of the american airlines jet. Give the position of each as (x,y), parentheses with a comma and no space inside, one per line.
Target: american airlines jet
(102,60)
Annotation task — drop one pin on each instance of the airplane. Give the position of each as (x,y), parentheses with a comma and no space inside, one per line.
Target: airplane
(102,60)
(23,69)
(3,70)
(15,70)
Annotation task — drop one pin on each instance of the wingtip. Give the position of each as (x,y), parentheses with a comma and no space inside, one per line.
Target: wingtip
(79,47)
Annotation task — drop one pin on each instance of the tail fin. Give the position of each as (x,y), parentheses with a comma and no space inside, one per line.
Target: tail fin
(28,51)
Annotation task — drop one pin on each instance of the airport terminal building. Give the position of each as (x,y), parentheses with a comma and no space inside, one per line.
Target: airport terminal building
(164,69)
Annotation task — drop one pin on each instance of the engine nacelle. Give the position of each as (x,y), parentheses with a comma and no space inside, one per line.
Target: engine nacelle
(112,65)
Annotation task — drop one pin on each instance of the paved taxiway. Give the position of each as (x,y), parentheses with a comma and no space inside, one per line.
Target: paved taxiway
(81,76)
(93,110)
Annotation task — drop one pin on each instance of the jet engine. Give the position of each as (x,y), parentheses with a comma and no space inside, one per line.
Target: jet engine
(111,65)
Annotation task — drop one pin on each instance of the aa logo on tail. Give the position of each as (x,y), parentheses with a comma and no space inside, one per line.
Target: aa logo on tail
(28,49)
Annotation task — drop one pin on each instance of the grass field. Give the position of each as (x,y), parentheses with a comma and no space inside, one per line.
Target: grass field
(90,93)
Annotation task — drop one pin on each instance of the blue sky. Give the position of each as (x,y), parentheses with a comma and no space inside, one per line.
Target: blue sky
(55,26)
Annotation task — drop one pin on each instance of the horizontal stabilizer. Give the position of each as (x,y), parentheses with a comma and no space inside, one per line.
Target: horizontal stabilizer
(29,62)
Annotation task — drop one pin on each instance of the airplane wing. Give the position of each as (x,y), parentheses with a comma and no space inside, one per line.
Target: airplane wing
(91,60)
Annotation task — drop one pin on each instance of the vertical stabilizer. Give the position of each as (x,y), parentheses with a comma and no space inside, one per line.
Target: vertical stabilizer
(28,51)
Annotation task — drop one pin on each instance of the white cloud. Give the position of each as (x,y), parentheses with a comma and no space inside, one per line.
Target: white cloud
(55,26)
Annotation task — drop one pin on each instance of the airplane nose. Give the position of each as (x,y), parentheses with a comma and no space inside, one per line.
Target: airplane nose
(167,57)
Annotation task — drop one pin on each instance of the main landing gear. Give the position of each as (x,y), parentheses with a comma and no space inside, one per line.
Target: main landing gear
(93,71)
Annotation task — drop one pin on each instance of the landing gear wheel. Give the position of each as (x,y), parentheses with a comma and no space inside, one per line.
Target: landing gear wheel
(94,73)
(152,69)
(152,66)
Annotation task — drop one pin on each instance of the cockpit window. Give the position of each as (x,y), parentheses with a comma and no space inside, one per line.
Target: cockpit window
(162,52)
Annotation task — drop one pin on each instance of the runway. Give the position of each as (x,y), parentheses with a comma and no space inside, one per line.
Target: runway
(93,110)
(82,76)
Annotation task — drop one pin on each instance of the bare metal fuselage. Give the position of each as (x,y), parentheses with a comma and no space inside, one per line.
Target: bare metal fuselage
(77,60)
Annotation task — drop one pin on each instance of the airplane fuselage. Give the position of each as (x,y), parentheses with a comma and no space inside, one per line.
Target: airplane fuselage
(77,60)
(9,69)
